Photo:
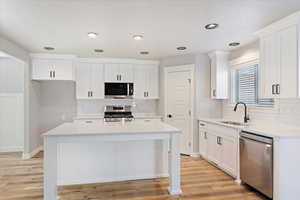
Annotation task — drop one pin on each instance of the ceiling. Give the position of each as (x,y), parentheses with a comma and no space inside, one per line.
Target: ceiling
(165,25)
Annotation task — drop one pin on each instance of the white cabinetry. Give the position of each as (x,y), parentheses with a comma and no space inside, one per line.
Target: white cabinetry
(52,69)
(219,145)
(279,59)
(146,82)
(89,81)
(219,74)
(118,72)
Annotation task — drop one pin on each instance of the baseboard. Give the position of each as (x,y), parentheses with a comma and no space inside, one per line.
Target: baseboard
(112,179)
(195,155)
(11,149)
(33,153)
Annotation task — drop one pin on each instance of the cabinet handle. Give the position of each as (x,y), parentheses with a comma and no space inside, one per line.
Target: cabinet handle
(53,74)
(88,93)
(120,77)
(91,93)
(219,140)
(144,94)
(277,89)
(205,135)
(147,94)
(273,89)
(201,124)
(214,92)
(50,74)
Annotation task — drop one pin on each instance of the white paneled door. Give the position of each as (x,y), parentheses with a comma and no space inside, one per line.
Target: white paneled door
(178,102)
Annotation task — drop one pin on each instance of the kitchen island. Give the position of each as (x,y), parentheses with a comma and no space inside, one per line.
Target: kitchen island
(112,151)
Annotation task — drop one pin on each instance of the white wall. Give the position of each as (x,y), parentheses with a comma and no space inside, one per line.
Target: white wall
(204,106)
(31,100)
(11,105)
(11,76)
(285,111)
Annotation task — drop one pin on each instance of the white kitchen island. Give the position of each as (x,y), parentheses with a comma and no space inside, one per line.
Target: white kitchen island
(95,151)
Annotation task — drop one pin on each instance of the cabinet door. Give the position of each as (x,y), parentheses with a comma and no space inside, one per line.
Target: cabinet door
(63,69)
(97,80)
(112,73)
(203,143)
(152,81)
(213,150)
(213,81)
(229,150)
(269,65)
(83,87)
(126,73)
(289,62)
(139,81)
(41,69)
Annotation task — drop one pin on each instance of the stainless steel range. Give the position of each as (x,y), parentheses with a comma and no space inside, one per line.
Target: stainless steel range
(117,113)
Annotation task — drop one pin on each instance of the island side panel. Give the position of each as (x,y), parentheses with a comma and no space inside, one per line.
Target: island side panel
(105,161)
(174,165)
(50,168)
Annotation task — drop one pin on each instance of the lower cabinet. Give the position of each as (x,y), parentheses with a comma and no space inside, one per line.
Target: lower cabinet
(219,145)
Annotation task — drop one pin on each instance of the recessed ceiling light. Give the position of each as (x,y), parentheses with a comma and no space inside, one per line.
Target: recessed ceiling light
(49,48)
(234,44)
(211,26)
(181,48)
(144,52)
(138,37)
(92,34)
(99,50)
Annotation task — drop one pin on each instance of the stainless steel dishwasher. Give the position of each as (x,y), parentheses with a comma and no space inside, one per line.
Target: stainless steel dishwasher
(256,162)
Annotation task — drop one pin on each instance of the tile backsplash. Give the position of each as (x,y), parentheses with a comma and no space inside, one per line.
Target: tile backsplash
(285,111)
(95,107)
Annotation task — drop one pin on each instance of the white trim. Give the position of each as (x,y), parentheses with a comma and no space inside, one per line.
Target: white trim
(178,68)
(290,20)
(94,60)
(195,155)
(103,180)
(52,56)
(11,149)
(118,60)
(243,60)
(33,153)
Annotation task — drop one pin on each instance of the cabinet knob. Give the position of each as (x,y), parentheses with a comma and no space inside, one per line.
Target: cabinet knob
(169,116)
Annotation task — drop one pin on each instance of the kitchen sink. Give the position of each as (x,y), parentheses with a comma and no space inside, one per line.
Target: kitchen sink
(233,123)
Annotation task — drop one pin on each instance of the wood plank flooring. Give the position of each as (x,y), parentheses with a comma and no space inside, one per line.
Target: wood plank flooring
(23,180)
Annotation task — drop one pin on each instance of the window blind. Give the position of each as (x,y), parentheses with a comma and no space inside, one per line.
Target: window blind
(247,86)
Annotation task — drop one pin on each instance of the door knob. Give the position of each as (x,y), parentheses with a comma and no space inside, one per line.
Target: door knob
(169,116)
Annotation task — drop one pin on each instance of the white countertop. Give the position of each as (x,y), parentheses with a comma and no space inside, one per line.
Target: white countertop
(101,127)
(266,129)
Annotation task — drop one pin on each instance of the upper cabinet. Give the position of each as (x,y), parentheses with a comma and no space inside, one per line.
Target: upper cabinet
(118,72)
(219,74)
(146,82)
(279,57)
(89,80)
(52,68)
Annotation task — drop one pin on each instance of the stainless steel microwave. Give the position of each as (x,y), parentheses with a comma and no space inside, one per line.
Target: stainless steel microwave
(118,90)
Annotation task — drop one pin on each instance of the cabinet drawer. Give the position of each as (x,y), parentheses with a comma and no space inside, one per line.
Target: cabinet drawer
(219,129)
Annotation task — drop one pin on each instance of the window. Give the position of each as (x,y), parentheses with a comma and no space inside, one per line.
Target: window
(245,86)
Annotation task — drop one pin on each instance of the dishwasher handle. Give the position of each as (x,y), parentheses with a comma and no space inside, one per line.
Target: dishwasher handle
(255,137)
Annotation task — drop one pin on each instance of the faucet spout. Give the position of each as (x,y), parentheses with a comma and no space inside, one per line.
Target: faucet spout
(246,117)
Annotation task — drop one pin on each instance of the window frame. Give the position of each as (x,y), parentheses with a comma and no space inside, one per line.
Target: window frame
(234,66)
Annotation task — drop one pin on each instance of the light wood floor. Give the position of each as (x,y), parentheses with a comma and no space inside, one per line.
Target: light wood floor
(23,180)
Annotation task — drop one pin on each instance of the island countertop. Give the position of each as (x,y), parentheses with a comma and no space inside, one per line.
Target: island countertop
(100,127)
